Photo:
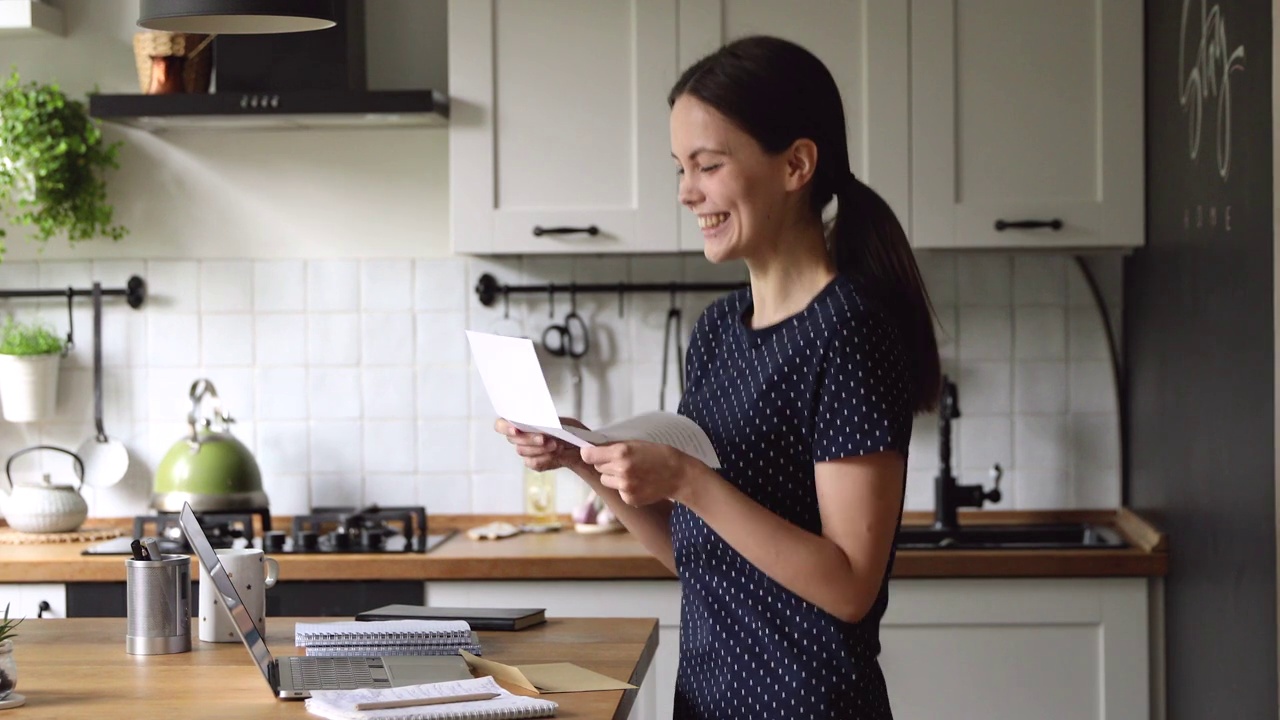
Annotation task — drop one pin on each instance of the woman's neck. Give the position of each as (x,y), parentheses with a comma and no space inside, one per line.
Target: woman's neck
(786,282)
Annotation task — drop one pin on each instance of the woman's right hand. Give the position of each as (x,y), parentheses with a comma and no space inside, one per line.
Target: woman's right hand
(542,452)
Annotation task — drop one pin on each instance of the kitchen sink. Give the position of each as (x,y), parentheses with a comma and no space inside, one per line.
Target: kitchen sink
(1012,537)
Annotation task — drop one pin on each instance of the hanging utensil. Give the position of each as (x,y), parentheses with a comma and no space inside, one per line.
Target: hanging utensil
(671,331)
(106,460)
(570,338)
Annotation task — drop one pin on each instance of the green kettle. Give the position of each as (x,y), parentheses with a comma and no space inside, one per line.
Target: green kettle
(210,468)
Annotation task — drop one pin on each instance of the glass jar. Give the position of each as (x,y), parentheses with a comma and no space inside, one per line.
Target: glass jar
(8,670)
(540,497)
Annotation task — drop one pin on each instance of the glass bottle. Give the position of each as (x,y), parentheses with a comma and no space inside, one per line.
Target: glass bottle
(8,670)
(540,497)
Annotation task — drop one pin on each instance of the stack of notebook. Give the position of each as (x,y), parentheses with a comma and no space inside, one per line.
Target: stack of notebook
(387,637)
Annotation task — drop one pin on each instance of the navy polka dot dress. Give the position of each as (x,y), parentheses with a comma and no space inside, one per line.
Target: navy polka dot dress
(827,383)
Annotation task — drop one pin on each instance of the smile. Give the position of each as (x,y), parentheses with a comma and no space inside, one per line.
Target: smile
(710,221)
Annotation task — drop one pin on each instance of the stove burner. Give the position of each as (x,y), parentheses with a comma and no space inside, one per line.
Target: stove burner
(223,529)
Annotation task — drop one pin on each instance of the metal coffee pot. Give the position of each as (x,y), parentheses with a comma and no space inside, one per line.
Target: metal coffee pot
(44,508)
(209,468)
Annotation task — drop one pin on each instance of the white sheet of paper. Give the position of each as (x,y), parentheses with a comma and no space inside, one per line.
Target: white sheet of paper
(518,391)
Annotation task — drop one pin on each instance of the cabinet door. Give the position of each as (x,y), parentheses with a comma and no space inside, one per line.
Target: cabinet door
(1026,110)
(559,120)
(24,600)
(864,45)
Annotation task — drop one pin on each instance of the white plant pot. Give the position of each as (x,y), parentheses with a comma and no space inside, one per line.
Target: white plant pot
(28,386)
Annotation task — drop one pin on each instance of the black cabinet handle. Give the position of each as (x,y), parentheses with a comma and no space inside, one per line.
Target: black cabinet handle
(43,608)
(539,231)
(1002,225)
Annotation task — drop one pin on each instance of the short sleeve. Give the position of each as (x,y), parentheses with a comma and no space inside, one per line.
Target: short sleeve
(862,398)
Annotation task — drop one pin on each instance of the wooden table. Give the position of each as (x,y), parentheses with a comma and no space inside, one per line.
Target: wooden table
(78,668)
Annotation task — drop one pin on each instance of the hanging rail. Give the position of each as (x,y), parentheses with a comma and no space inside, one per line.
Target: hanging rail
(135,292)
(488,289)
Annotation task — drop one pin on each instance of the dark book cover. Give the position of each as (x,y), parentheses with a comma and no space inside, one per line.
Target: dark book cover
(478,618)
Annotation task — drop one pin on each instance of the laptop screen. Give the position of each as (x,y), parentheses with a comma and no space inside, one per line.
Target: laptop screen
(240,617)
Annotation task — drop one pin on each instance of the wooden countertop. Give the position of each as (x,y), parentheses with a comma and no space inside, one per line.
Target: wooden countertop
(567,555)
(79,669)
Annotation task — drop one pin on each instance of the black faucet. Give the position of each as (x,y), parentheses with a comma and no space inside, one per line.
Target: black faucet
(948,495)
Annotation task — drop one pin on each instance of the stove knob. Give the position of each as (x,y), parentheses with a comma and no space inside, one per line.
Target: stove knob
(373,539)
(341,541)
(273,541)
(309,540)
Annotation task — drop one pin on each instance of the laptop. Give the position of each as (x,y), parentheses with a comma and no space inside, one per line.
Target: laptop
(295,677)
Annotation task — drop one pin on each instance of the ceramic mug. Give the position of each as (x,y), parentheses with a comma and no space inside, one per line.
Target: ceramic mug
(252,572)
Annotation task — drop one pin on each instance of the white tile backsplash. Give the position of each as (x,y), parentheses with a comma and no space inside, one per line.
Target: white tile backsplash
(351,379)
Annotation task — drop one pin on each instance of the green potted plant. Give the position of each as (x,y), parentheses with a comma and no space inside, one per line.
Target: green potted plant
(8,668)
(52,162)
(29,357)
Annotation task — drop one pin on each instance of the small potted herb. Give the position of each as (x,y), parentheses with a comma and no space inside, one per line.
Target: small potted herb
(8,668)
(29,357)
(52,164)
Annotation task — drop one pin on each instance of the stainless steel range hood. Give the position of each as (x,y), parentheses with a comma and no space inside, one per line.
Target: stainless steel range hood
(294,80)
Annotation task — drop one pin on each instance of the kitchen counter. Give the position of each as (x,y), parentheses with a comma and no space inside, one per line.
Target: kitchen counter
(567,555)
(78,668)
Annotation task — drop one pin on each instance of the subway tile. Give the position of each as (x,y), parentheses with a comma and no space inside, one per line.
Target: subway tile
(288,494)
(504,270)
(236,391)
(173,286)
(388,393)
(445,493)
(279,285)
(983,442)
(1040,387)
(1039,333)
(283,393)
(1039,280)
(443,392)
(226,286)
(280,339)
(15,275)
(1042,445)
(335,393)
(441,339)
(985,387)
(227,340)
(985,333)
(343,489)
(1092,387)
(440,284)
(391,490)
(984,279)
(283,448)
(386,285)
(1086,335)
(938,270)
(337,448)
(333,339)
(497,493)
(655,268)
(946,331)
(333,285)
(490,452)
(173,340)
(389,447)
(1039,489)
(919,492)
(443,446)
(387,338)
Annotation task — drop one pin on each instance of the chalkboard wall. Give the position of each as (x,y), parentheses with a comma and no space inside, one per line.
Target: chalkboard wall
(1199,351)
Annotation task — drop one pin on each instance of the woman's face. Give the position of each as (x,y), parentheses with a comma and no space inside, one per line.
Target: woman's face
(737,191)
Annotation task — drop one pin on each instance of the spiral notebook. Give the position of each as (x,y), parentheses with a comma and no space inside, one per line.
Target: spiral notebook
(383,632)
(341,704)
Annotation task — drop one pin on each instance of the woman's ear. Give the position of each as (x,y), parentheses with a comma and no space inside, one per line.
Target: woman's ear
(802,162)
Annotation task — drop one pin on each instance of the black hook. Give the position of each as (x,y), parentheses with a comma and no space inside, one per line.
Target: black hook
(551,300)
(506,304)
(621,291)
(71,323)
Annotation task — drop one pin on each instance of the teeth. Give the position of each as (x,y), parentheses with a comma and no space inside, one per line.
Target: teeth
(710,221)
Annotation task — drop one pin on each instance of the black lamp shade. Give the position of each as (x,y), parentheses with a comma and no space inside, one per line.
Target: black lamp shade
(235,17)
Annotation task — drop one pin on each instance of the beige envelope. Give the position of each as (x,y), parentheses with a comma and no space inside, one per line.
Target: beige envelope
(546,677)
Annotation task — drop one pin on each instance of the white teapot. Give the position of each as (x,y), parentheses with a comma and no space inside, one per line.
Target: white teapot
(44,508)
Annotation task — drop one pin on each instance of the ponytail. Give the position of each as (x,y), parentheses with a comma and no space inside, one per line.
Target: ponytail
(869,245)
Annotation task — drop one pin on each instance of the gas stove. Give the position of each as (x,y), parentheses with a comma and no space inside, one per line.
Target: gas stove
(371,529)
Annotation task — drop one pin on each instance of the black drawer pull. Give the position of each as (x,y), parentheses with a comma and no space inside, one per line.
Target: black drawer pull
(43,608)
(1002,225)
(539,231)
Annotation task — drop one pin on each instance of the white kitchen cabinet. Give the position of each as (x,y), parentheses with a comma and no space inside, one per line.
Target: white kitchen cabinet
(582,598)
(24,599)
(558,119)
(990,649)
(1026,110)
(864,45)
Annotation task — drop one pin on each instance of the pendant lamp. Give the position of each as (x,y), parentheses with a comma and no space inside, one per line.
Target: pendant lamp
(235,17)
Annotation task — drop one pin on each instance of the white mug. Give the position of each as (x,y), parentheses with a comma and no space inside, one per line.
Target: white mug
(252,572)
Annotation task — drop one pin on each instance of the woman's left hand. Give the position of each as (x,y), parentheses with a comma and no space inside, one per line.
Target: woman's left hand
(641,472)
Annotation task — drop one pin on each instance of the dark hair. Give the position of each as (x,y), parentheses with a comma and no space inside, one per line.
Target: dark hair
(778,92)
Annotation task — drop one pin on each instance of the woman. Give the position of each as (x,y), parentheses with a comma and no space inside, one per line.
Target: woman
(806,383)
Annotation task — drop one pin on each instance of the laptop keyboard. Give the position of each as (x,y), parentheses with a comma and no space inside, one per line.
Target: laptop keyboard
(337,673)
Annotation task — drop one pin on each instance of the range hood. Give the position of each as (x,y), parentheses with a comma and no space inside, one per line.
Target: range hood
(293,80)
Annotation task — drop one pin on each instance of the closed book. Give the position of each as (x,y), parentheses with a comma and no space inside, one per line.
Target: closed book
(476,618)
